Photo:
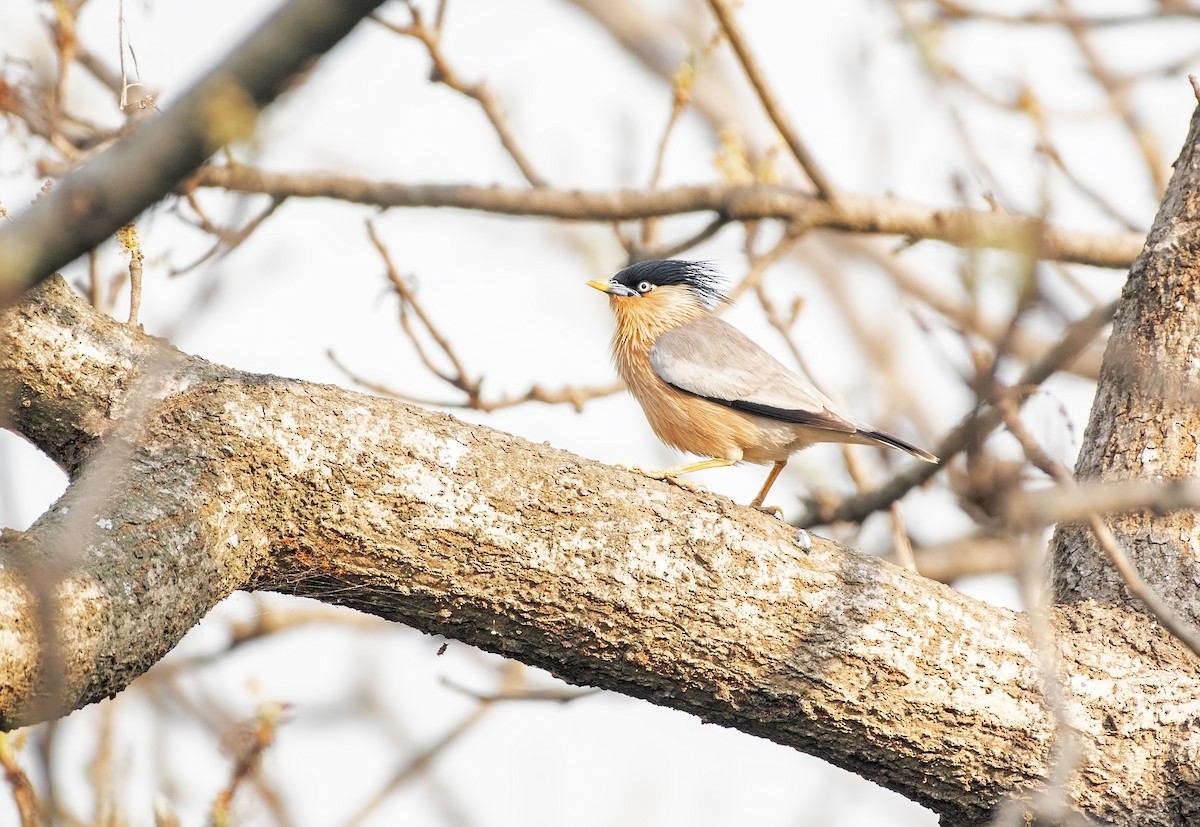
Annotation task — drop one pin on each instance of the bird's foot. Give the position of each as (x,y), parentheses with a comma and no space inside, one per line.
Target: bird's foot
(667,475)
(774,510)
(694,487)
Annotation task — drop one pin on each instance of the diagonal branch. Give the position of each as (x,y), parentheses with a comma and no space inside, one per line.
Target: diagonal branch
(973,428)
(115,186)
(767,97)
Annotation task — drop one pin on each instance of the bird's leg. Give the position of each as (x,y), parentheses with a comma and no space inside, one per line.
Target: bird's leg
(671,474)
(757,502)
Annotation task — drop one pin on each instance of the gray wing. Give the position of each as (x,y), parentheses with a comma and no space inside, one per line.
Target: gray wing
(712,359)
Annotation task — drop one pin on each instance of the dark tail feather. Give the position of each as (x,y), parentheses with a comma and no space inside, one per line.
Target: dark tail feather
(897,442)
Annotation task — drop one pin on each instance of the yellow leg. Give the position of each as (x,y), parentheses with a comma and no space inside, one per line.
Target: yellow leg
(774,475)
(676,470)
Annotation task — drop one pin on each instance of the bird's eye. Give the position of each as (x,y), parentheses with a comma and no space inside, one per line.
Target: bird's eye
(644,287)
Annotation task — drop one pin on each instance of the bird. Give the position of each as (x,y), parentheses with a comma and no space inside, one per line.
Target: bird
(708,389)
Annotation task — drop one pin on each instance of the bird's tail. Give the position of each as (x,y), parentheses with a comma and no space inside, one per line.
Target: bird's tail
(897,442)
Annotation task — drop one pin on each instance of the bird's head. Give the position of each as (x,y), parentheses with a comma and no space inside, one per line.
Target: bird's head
(673,276)
(652,296)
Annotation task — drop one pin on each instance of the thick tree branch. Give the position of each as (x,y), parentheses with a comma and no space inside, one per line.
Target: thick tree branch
(230,480)
(113,188)
(850,213)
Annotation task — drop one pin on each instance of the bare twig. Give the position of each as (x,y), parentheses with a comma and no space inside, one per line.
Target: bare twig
(964,316)
(954,12)
(982,552)
(1048,804)
(1118,96)
(128,238)
(101,772)
(576,397)
(901,546)
(1085,189)
(408,302)
(228,239)
(256,737)
(683,245)
(1162,612)
(23,793)
(443,72)
(1074,502)
(784,324)
(95,289)
(512,683)
(681,99)
(522,692)
(456,376)
(770,104)
(878,342)
(972,428)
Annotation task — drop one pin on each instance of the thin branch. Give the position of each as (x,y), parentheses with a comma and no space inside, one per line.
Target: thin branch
(444,73)
(228,239)
(971,429)
(421,761)
(24,796)
(982,552)
(1075,502)
(1041,459)
(576,397)
(1086,190)
(1050,804)
(524,693)
(681,99)
(965,317)
(858,214)
(770,104)
(128,237)
(957,12)
(684,244)
(1118,96)
(408,301)
(255,736)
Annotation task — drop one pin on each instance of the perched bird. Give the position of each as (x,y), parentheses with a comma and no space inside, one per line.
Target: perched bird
(705,387)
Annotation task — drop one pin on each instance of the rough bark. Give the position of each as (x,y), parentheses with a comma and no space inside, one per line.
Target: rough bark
(1145,421)
(190,480)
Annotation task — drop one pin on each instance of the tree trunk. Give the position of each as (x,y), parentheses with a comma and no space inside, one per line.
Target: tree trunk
(1145,421)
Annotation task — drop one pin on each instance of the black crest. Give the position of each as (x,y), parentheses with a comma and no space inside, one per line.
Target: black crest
(695,275)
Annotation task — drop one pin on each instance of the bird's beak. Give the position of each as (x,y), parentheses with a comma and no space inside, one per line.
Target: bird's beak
(613,288)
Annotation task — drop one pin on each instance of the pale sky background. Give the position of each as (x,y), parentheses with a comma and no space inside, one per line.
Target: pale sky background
(511,295)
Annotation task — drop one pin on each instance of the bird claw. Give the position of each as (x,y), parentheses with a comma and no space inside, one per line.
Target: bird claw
(774,510)
(666,476)
(694,487)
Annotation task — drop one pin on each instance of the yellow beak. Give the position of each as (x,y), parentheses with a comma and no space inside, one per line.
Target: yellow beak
(613,288)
